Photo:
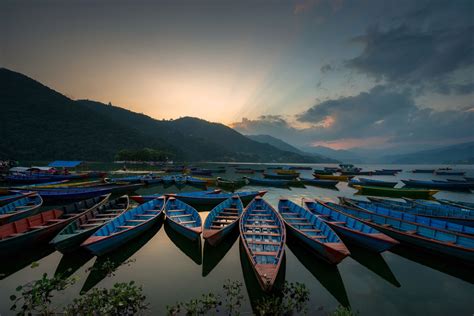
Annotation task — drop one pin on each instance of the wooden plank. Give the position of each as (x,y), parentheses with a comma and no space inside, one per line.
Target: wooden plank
(226,217)
(186,222)
(265,253)
(263,243)
(182,215)
(135,220)
(262,234)
(262,226)
(125,227)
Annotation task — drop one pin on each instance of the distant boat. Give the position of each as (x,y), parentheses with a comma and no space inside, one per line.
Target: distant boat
(438,185)
(280,176)
(333,177)
(222,220)
(325,172)
(231,185)
(461,204)
(20,208)
(42,227)
(71,237)
(125,227)
(384,172)
(263,237)
(313,232)
(245,171)
(183,218)
(423,171)
(450,173)
(300,168)
(269,182)
(145,198)
(373,182)
(288,172)
(213,199)
(409,229)
(447,220)
(9,196)
(319,182)
(353,230)
(395,192)
(195,181)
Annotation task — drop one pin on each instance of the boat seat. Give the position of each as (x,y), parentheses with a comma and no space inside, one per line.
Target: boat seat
(341,223)
(231,209)
(262,226)
(217,227)
(183,215)
(265,253)
(99,219)
(263,243)
(125,227)
(169,211)
(264,215)
(38,227)
(221,222)
(55,220)
(262,234)
(228,214)
(22,207)
(301,224)
(311,230)
(135,220)
(289,213)
(144,215)
(225,217)
(88,225)
(261,220)
(319,237)
(187,222)
(386,225)
(411,232)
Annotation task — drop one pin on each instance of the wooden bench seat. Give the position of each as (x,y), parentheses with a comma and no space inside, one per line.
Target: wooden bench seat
(182,215)
(265,253)
(262,234)
(263,243)
(262,226)
(187,222)
(125,227)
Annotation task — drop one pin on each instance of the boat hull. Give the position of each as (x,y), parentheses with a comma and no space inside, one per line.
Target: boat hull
(378,243)
(191,234)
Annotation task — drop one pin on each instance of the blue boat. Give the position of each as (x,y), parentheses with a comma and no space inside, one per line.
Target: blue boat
(450,173)
(20,208)
(410,229)
(313,232)
(195,181)
(151,179)
(268,182)
(125,227)
(384,172)
(263,237)
(75,194)
(222,220)
(167,180)
(183,218)
(213,198)
(373,182)
(12,195)
(461,204)
(201,172)
(347,227)
(145,198)
(71,237)
(180,180)
(423,171)
(280,176)
(448,213)
(319,182)
(130,179)
(440,185)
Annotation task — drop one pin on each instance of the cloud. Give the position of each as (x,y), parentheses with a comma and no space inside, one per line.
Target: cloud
(430,48)
(381,115)
(326,68)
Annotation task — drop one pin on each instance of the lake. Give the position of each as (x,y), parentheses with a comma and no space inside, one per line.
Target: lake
(400,282)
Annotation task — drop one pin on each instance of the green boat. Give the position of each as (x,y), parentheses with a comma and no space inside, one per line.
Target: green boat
(230,185)
(395,192)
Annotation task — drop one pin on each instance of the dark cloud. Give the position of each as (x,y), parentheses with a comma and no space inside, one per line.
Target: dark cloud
(381,112)
(427,48)
(326,68)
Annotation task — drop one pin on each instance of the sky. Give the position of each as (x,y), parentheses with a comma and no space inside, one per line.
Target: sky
(338,73)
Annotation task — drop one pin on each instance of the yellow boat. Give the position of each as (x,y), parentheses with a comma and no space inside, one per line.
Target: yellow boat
(287,172)
(333,177)
(209,181)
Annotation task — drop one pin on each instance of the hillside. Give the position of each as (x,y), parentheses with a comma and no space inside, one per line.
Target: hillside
(39,123)
(460,153)
(341,155)
(278,143)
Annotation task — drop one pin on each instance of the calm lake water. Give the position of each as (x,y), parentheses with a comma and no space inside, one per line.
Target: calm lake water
(399,282)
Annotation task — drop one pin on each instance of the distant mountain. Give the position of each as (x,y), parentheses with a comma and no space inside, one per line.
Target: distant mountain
(278,143)
(39,123)
(345,156)
(460,153)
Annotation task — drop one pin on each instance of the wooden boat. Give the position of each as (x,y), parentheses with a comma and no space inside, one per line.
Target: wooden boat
(300,168)
(268,182)
(222,220)
(437,220)
(333,177)
(347,227)
(263,237)
(11,195)
(245,171)
(373,182)
(395,193)
(195,181)
(183,218)
(40,228)
(332,169)
(287,172)
(450,213)
(322,171)
(213,199)
(43,177)
(209,181)
(319,182)
(129,179)
(280,176)
(125,227)
(438,185)
(410,229)
(357,173)
(313,232)
(230,184)
(449,173)
(20,208)
(180,180)
(145,198)
(469,184)
(423,171)
(384,172)
(71,237)
(461,204)
(201,172)
(74,194)
(151,179)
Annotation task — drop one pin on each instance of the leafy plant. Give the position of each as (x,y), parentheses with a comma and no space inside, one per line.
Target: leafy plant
(343,311)
(293,297)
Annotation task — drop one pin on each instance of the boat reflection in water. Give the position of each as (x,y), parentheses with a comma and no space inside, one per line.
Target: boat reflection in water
(213,255)
(374,262)
(108,263)
(190,248)
(448,266)
(327,274)
(71,262)
(254,289)
(13,262)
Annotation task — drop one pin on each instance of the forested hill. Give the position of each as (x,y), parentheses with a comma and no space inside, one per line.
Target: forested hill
(39,123)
